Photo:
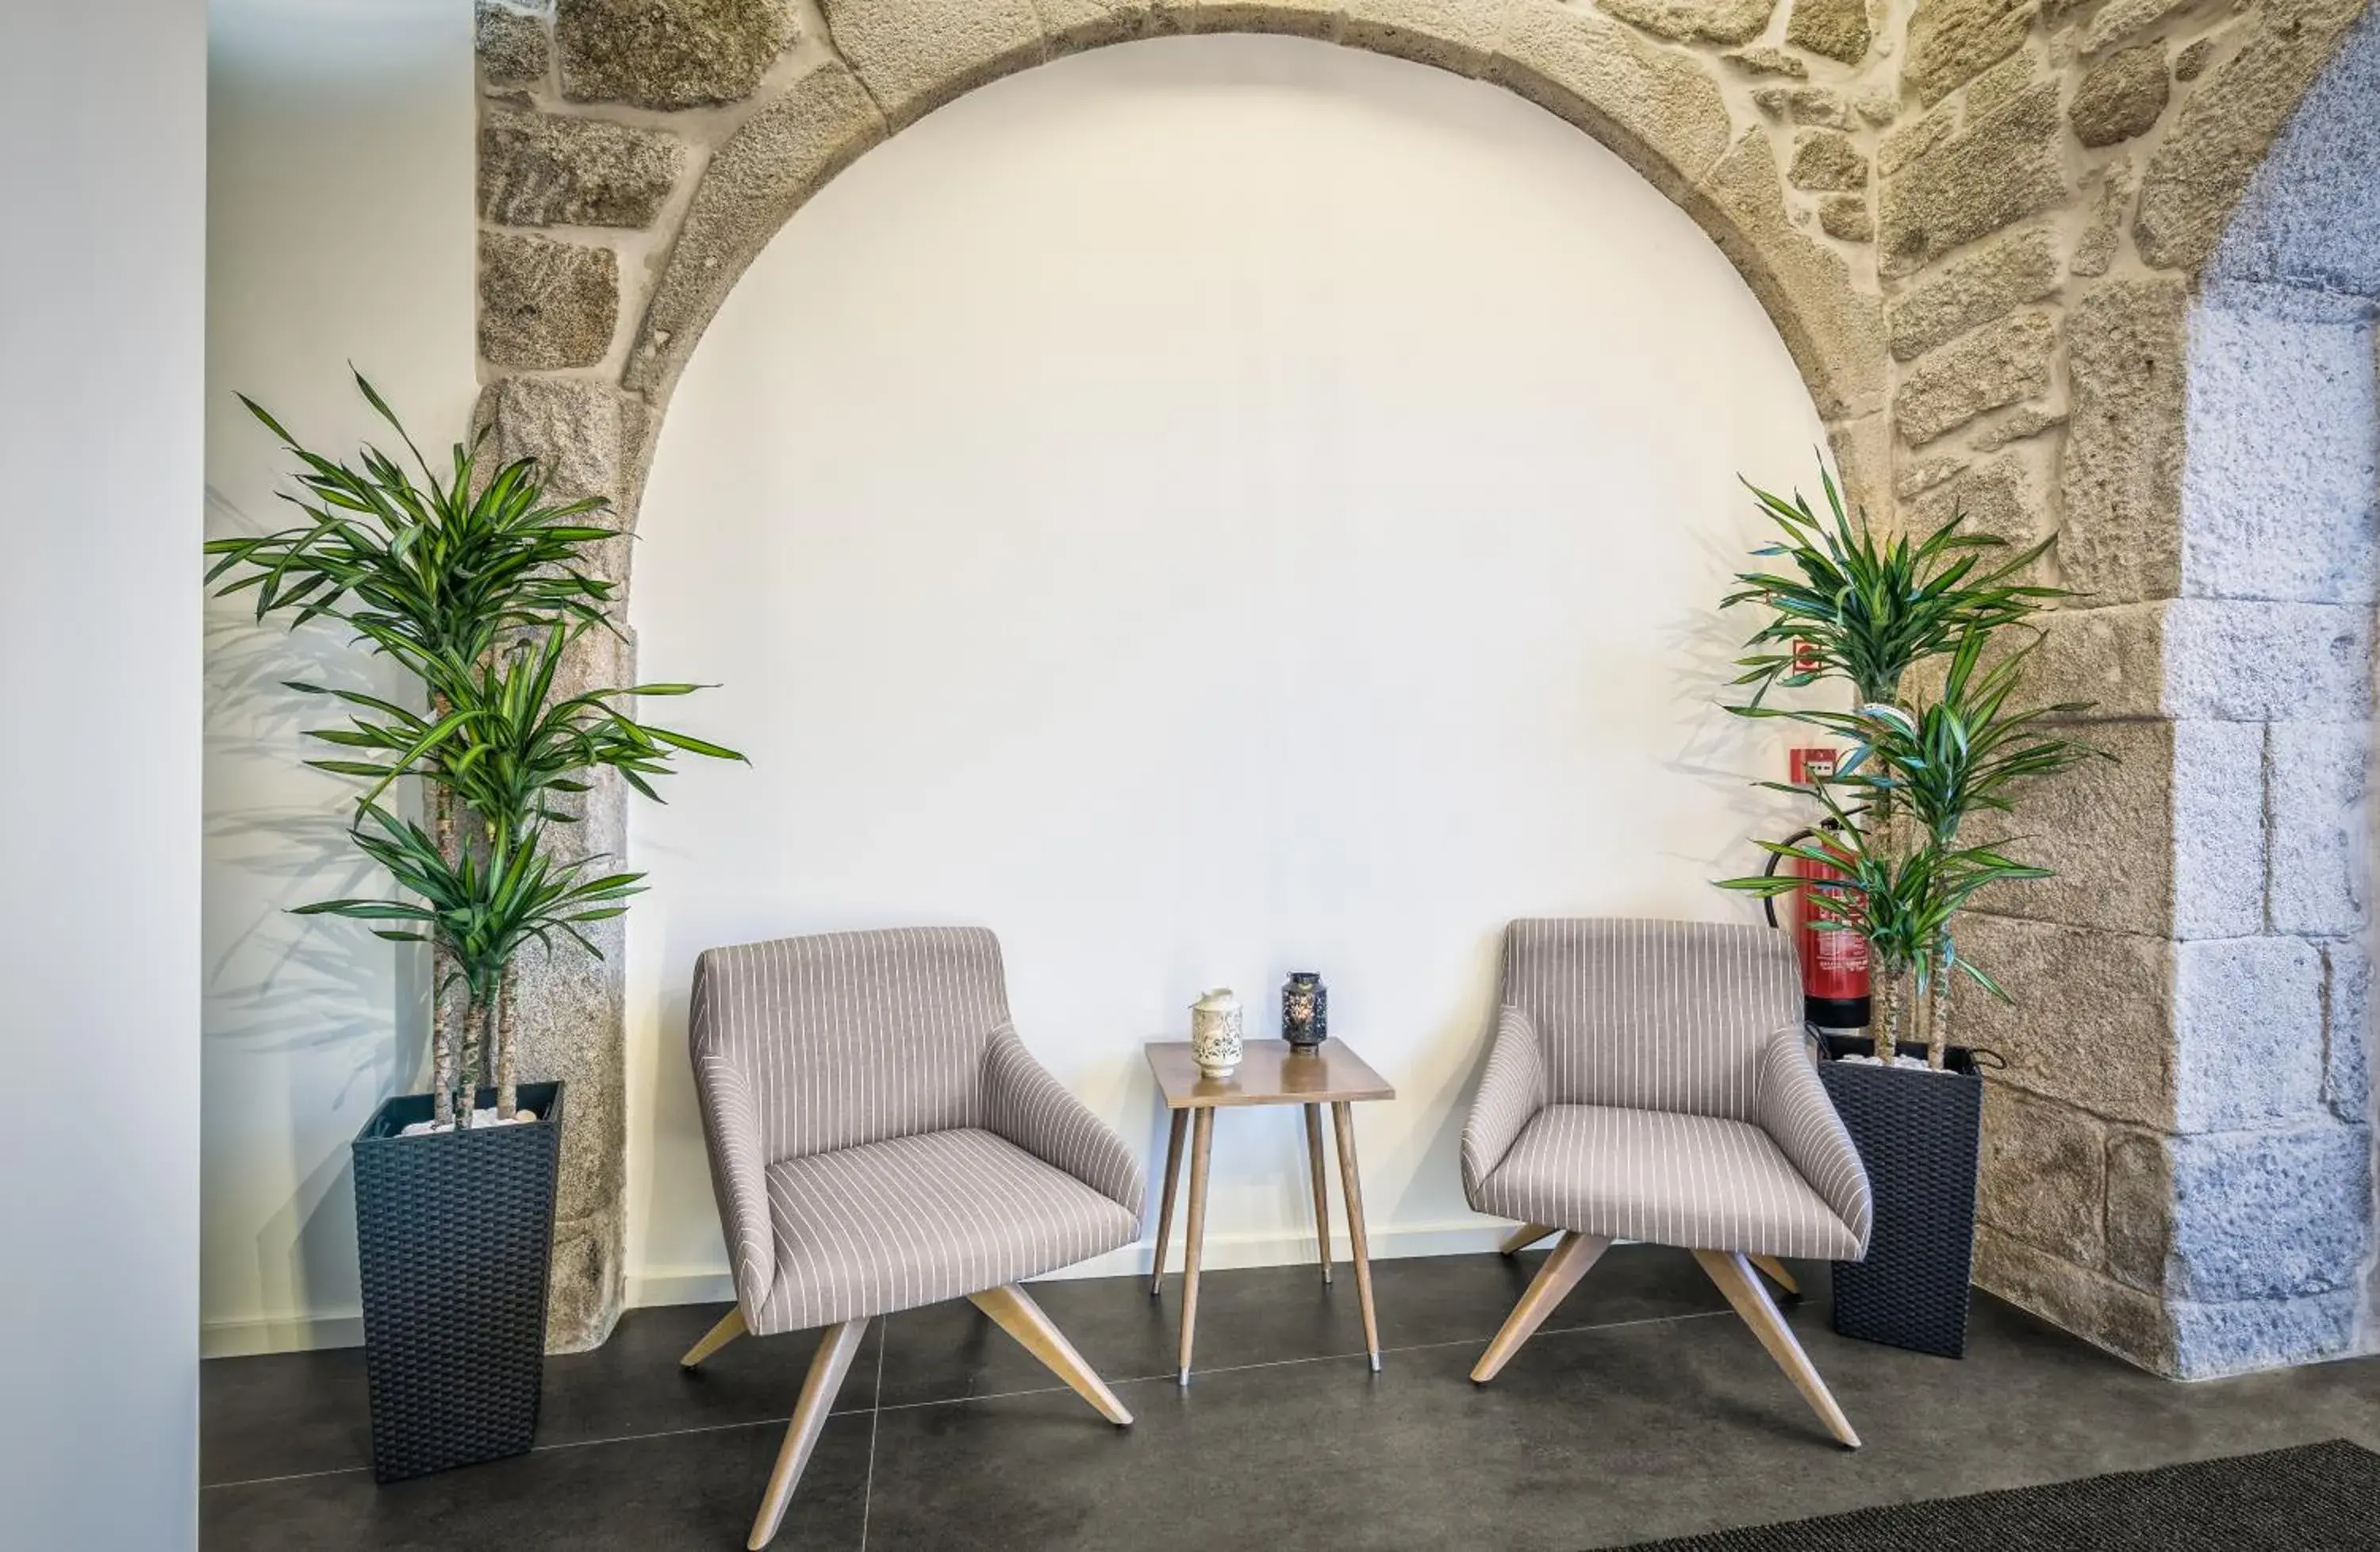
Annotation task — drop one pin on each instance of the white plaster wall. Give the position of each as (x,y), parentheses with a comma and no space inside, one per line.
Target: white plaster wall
(340,228)
(99,772)
(1204,509)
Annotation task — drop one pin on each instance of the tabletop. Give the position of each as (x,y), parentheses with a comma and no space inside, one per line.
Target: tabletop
(1270,1073)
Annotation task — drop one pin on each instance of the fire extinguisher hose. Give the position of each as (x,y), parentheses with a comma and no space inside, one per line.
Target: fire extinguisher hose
(1769,902)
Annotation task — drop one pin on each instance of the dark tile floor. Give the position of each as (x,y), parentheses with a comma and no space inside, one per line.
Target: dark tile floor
(1643,1410)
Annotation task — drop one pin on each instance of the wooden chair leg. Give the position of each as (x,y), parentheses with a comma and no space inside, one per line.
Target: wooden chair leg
(1568,1261)
(1735,1279)
(1321,1185)
(1014,1310)
(1777,1273)
(730,1326)
(1522,1238)
(836,1349)
(1165,1205)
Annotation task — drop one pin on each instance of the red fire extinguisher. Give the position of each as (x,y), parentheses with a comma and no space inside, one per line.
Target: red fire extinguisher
(1834,962)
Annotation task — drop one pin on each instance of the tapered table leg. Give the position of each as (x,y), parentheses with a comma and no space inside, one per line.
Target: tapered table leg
(1321,1185)
(1165,1207)
(1343,1115)
(1202,1138)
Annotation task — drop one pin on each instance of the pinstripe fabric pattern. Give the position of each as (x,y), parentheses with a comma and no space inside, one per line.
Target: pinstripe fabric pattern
(877,1131)
(853,1036)
(740,1178)
(1800,1119)
(888,1226)
(1648,1082)
(1024,1104)
(1653,1015)
(1512,1091)
(1671,1179)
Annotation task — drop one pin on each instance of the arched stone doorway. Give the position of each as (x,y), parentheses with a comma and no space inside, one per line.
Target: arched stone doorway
(1986,233)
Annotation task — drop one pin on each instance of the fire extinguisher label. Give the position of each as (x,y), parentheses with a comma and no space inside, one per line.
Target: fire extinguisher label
(1841,953)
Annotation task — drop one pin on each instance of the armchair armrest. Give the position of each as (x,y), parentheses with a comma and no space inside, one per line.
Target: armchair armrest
(739,1173)
(1793,1107)
(1024,1104)
(1510,1094)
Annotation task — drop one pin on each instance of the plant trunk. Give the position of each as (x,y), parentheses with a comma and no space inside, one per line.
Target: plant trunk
(1937,1023)
(1896,985)
(448,1012)
(483,1020)
(507,1099)
(442,1056)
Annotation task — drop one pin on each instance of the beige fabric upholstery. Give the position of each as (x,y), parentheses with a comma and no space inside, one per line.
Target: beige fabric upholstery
(1665,1178)
(1648,1082)
(879,1135)
(1653,1015)
(892,1225)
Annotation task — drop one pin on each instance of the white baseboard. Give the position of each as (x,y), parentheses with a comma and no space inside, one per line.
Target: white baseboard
(680,1285)
(712,1285)
(294,1333)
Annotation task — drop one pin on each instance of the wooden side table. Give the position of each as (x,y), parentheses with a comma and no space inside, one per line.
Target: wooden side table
(1270,1073)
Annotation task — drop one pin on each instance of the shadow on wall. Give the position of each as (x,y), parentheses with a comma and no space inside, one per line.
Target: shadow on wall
(300,1010)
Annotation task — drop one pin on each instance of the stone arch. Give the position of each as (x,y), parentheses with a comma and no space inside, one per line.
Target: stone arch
(894,61)
(1994,239)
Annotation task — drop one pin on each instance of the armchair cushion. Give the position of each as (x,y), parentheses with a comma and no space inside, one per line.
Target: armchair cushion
(892,1225)
(1699,1182)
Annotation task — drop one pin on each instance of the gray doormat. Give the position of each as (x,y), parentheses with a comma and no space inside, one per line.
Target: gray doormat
(2317,1498)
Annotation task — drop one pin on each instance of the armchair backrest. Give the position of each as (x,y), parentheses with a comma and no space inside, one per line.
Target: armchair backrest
(1652,1015)
(851,1038)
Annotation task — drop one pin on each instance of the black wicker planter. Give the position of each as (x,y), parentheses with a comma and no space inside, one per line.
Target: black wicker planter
(1919,1135)
(455,1231)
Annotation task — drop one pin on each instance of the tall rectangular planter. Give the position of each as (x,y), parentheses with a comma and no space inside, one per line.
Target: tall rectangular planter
(455,1235)
(1920,1135)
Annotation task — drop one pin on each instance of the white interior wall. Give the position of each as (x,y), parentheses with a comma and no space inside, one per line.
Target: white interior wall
(340,228)
(99,770)
(1204,509)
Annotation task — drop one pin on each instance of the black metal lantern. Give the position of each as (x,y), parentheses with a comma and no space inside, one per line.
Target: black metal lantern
(1305,1009)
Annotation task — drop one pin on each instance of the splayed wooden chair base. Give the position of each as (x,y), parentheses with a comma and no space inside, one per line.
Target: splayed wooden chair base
(880,1139)
(1649,1082)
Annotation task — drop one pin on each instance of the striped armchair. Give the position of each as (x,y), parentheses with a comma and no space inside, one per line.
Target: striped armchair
(880,1139)
(1648,1081)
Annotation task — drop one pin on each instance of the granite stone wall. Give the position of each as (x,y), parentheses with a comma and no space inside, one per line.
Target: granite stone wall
(2027,262)
(2180,1159)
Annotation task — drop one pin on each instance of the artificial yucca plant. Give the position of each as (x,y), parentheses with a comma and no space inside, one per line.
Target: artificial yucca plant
(475,586)
(1904,903)
(1848,603)
(481,907)
(1871,610)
